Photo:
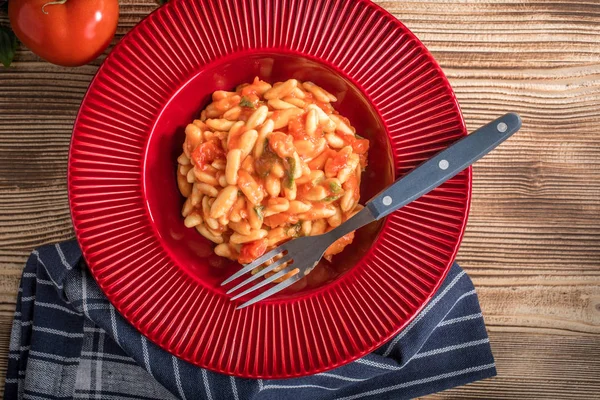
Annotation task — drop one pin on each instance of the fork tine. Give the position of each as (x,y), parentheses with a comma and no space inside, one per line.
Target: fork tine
(249,267)
(261,273)
(266,281)
(272,291)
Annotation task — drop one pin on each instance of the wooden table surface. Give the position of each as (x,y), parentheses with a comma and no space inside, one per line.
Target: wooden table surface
(532,245)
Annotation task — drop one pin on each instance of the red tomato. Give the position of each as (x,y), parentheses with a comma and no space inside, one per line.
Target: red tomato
(280,219)
(359,146)
(207,152)
(337,162)
(302,190)
(251,251)
(296,127)
(65,32)
(281,144)
(249,92)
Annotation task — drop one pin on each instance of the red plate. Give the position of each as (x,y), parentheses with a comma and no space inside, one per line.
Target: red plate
(163,277)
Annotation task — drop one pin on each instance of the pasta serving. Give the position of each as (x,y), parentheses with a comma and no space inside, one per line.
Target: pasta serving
(265,164)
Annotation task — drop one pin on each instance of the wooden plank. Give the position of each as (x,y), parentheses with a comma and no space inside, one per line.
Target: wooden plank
(532,245)
(535,366)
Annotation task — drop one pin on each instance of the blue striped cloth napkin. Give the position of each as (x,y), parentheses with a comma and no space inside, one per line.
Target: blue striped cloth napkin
(68,341)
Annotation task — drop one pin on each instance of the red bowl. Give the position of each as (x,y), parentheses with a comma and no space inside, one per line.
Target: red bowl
(164,279)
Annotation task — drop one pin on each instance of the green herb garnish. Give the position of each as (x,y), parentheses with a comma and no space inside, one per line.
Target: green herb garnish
(289,180)
(245,102)
(292,163)
(335,187)
(329,199)
(289,174)
(295,229)
(259,211)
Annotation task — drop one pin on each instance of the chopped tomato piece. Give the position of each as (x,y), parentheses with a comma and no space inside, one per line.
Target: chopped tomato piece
(207,152)
(359,146)
(280,219)
(251,251)
(337,162)
(249,95)
(281,144)
(296,127)
(252,90)
(249,90)
(302,190)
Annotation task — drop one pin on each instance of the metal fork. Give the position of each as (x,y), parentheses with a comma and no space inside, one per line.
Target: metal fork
(305,252)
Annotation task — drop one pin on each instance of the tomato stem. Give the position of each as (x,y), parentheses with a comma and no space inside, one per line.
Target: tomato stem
(52,3)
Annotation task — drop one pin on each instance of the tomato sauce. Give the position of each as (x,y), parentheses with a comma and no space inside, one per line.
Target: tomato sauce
(251,251)
(207,153)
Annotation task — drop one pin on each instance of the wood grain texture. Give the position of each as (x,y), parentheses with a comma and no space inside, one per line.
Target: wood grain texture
(532,245)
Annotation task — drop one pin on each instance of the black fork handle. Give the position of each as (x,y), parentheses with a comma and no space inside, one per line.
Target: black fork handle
(445,165)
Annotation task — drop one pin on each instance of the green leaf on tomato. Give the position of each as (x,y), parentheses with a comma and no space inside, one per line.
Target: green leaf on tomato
(8,46)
